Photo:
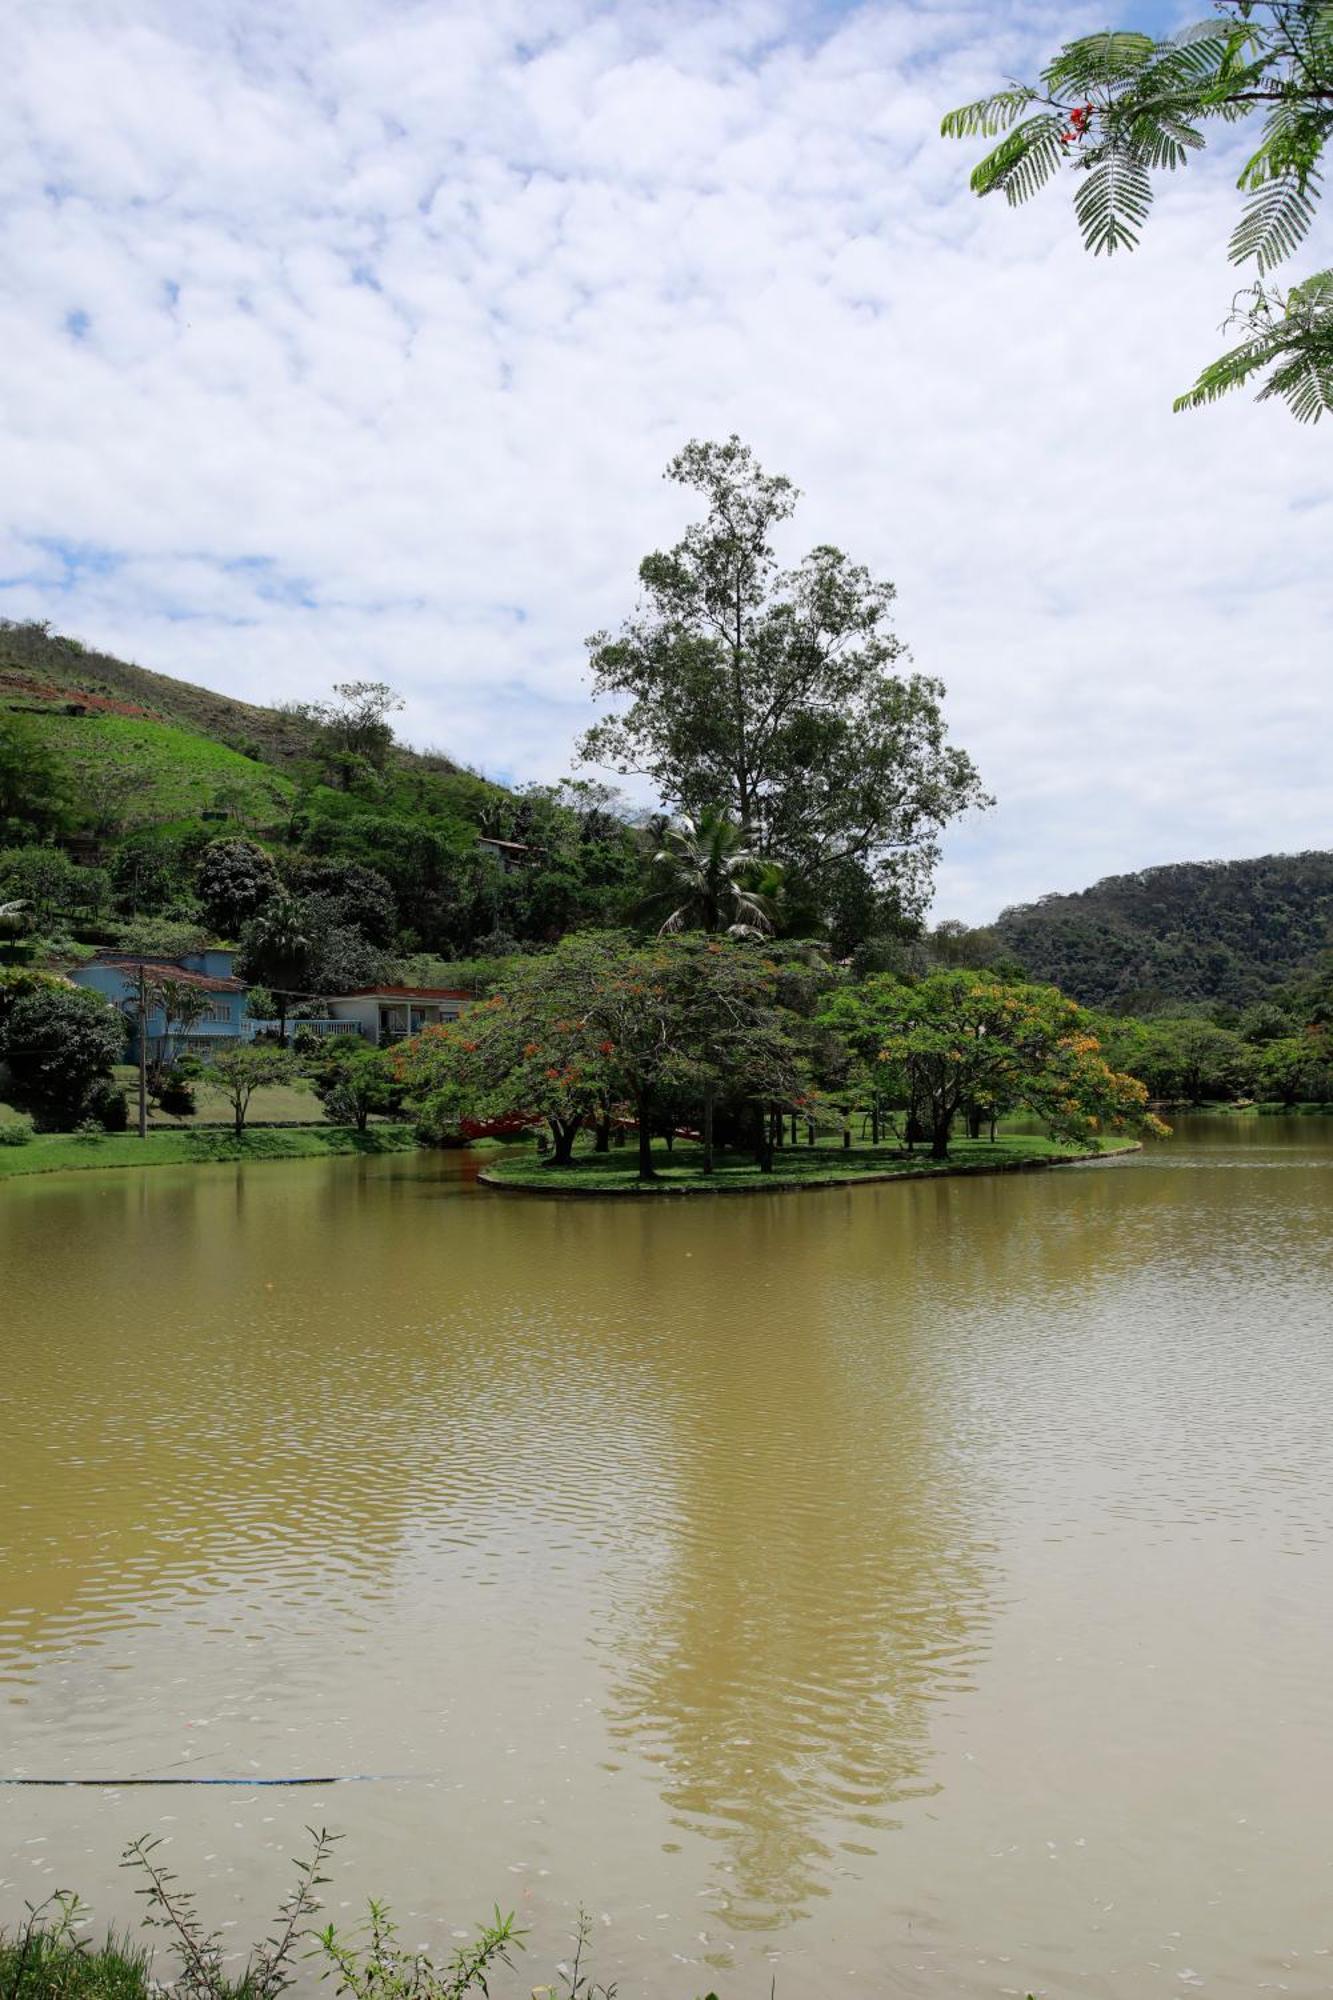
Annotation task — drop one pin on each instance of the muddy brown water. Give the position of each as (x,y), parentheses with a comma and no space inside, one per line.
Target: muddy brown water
(911,1590)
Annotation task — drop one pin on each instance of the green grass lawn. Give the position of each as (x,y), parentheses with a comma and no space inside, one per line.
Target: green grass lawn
(175,775)
(276,1104)
(61,1152)
(824,1165)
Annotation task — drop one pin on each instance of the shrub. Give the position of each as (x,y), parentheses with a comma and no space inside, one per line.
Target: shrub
(16,1132)
(60,1043)
(108,1106)
(175,1095)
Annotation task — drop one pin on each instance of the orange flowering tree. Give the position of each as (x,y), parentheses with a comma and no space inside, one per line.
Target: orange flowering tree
(530,1051)
(601,1023)
(967,1038)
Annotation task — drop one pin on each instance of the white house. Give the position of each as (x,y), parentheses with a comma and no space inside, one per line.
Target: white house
(391,1013)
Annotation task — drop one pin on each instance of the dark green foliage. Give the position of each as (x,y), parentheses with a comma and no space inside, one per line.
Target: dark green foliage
(234,881)
(107,1104)
(153,871)
(1119,107)
(32,794)
(1198,932)
(59,1045)
(353,1080)
(49,884)
(175,1094)
(356,895)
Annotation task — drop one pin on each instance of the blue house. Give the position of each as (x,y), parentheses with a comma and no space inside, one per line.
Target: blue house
(208,973)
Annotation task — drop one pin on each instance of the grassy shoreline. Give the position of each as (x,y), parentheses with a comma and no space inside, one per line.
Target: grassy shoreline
(60,1152)
(794,1168)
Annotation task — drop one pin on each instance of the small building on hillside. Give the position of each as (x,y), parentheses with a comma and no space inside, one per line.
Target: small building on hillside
(510,854)
(391,1013)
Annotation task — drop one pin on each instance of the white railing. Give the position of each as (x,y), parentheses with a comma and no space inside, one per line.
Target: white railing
(300,1027)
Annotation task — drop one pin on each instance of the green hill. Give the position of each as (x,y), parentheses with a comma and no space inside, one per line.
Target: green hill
(40,671)
(1194,932)
(130,775)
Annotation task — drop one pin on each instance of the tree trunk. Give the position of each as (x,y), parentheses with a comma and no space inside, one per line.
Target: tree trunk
(939,1138)
(874,1124)
(564,1136)
(645,1142)
(282,1020)
(793,1128)
(810,1133)
(602,1143)
(974,1121)
(846,1138)
(708,1130)
(763,1151)
(914,1131)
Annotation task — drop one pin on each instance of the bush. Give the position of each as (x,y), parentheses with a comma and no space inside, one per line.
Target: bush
(60,1043)
(108,1106)
(16,1132)
(175,1095)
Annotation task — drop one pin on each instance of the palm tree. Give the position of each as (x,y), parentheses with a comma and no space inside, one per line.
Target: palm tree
(712,881)
(277,950)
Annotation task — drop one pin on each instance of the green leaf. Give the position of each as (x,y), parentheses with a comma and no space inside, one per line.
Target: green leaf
(1024,161)
(988,117)
(1093,60)
(1113,202)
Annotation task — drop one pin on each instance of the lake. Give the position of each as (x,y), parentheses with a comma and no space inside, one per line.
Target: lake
(919,1589)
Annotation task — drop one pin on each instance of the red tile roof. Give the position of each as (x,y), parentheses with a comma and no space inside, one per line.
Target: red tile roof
(403,993)
(163,969)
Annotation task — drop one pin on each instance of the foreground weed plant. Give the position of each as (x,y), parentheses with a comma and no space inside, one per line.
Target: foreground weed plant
(51,1958)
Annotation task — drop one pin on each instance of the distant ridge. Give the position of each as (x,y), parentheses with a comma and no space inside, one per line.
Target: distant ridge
(1192,931)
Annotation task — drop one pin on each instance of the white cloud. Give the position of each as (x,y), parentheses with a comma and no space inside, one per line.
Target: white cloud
(394,313)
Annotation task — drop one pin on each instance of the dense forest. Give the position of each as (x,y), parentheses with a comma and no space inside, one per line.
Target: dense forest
(1198,932)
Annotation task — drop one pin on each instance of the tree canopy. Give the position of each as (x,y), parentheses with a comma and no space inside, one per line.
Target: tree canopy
(776,697)
(1120,108)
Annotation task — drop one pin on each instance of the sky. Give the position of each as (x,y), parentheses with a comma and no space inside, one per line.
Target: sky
(350,338)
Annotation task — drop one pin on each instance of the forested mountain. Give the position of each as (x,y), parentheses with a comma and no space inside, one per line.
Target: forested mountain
(1196,931)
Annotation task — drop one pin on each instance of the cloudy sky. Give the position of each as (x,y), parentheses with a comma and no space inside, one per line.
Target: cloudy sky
(350,337)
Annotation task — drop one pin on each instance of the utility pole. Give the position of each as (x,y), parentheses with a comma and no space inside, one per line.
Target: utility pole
(143,1052)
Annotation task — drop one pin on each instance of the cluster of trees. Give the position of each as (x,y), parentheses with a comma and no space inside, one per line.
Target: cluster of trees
(1279,1050)
(731,1038)
(800,761)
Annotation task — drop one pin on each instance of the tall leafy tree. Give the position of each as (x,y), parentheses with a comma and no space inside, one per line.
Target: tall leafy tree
(1119,108)
(775,697)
